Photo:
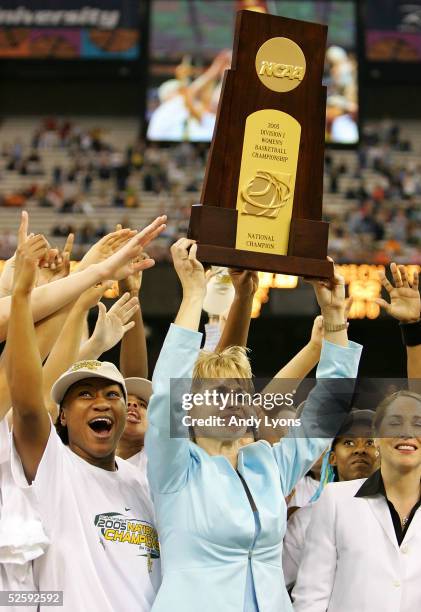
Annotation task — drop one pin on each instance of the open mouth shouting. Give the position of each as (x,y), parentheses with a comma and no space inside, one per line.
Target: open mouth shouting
(133,415)
(101,426)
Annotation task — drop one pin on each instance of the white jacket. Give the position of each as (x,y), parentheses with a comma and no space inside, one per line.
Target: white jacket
(352,561)
(294,543)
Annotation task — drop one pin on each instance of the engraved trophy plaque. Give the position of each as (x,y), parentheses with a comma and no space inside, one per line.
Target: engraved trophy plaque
(261,203)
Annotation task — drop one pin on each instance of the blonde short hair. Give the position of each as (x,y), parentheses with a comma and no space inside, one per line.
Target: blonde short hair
(232,362)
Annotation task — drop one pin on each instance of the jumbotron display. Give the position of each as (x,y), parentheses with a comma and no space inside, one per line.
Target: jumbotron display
(190,47)
(70,29)
(393,31)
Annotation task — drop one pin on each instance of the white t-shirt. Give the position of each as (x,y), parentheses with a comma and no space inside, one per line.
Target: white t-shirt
(4,446)
(4,440)
(140,461)
(104,552)
(21,533)
(304,491)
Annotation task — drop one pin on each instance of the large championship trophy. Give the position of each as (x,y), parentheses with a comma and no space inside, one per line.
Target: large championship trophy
(261,203)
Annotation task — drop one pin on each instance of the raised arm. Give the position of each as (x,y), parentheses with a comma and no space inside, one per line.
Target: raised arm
(57,267)
(133,351)
(301,364)
(49,298)
(328,403)
(66,348)
(24,367)
(237,326)
(405,306)
(169,456)
(192,277)
(110,327)
(47,330)
(287,380)
(305,360)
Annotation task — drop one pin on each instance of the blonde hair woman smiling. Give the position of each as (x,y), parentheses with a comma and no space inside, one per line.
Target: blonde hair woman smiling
(220,505)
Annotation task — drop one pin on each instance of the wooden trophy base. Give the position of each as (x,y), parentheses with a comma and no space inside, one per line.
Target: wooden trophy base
(215,228)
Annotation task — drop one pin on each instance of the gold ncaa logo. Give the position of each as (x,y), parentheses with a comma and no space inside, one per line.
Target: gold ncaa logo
(280,64)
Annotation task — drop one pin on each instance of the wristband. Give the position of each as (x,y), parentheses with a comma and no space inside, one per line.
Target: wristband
(411,333)
(332,327)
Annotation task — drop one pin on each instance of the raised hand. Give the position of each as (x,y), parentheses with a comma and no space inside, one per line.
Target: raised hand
(330,295)
(107,246)
(90,298)
(59,265)
(123,263)
(189,270)
(112,325)
(28,256)
(6,278)
(23,228)
(133,282)
(246,282)
(405,302)
(317,332)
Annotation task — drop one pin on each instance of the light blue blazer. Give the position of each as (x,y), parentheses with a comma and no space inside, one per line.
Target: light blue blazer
(205,522)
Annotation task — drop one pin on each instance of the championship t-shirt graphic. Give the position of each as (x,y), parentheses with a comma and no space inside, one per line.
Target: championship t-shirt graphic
(115,527)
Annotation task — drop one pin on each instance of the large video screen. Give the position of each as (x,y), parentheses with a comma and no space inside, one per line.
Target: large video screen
(190,47)
(393,32)
(69,29)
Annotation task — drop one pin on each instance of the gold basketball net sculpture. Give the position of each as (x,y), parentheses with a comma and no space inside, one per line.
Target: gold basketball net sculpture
(266,193)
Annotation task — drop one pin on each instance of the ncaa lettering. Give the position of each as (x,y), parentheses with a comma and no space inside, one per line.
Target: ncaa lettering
(281,71)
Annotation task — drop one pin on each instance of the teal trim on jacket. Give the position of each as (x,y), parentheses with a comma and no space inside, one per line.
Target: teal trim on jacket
(205,521)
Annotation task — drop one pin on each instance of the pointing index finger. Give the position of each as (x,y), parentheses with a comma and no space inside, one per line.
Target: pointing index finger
(23,228)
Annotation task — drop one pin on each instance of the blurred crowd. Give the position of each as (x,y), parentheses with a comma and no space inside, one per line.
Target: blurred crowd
(376,221)
(381,218)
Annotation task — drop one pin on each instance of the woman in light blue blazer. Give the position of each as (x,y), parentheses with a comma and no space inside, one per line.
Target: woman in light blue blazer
(220,506)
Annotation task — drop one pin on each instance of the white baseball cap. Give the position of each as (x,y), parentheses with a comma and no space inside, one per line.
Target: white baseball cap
(219,292)
(141,387)
(90,368)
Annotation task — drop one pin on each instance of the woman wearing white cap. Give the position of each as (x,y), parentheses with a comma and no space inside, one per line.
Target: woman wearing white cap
(133,365)
(131,444)
(220,506)
(104,549)
(22,536)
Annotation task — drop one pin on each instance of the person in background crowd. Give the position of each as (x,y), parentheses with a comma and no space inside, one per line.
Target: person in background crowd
(225,501)
(383,177)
